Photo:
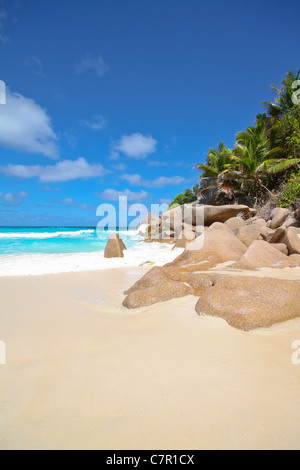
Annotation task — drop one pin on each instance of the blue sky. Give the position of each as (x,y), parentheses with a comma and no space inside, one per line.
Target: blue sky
(108,98)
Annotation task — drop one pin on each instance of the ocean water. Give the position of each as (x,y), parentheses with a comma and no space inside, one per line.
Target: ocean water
(55,240)
(47,250)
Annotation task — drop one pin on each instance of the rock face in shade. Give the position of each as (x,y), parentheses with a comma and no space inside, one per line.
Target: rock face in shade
(114,247)
(250,302)
(281,247)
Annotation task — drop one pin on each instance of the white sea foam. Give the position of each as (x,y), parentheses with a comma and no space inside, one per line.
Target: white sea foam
(37,264)
(43,234)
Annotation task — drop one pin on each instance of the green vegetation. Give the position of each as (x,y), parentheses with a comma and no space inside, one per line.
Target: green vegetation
(290,195)
(216,161)
(284,99)
(264,154)
(186,197)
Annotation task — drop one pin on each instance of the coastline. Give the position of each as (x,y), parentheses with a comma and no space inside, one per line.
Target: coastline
(44,263)
(83,372)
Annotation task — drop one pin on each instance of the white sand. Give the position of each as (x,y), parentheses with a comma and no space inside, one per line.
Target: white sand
(83,372)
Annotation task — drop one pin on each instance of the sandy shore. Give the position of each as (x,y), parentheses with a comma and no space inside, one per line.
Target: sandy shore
(82,372)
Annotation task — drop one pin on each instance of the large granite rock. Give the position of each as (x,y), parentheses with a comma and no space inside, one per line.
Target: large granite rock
(295,259)
(249,233)
(155,276)
(292,240)
(278,216)
(281,247)
(223,213)
(172,219)
(261,254)
(159,292)
(114,247)
(276,236)
(235,222)
(217,244)
(198,214)
(250,302)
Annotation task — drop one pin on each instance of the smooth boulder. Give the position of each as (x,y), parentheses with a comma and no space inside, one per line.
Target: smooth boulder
(292,240)
(278,216)
(247,303)
(248,233)
(223,213)
(114,247)
(261,254)
(234,223)
(159,292)
(217,244)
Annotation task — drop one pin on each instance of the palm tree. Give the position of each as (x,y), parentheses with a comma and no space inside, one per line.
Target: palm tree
(283,102)
(252,161)
(215,161)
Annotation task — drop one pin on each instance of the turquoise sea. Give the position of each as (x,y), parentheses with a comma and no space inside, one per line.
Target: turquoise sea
(57,240)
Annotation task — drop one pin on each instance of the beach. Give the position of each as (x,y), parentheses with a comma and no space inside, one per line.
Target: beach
(83,372)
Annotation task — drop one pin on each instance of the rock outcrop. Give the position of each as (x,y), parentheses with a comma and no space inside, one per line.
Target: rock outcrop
(292,240)
(114,247)
(189,220)
(261,254)
(278,216)
(217,244)
(159,292)
(234,237)
(235,222)
(250,302)
(249,233)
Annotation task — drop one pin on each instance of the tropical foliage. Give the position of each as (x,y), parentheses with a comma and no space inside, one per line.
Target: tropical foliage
(187,197)
(284,99)
(263,151)
(290,195)
(216,161)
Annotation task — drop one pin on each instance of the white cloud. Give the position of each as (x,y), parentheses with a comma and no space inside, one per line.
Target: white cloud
(162,181)
(69,201)
(94,64)
(156,163)
(136,145)
(49,188)
(119,167)
(65,170)
(97,122)
(159,182)
(113,195)
(114,155)
(13,200)
(26,127)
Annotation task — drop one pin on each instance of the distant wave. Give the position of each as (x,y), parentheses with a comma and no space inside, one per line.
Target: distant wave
(43,234)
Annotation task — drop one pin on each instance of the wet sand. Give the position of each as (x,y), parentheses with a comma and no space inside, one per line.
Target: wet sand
(83,372)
